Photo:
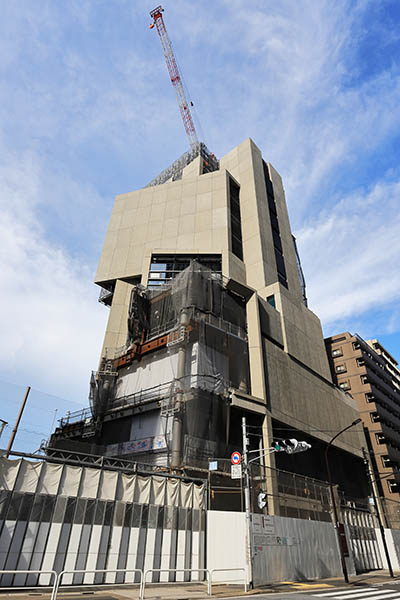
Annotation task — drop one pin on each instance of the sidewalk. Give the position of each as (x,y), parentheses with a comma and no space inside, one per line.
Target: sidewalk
(198,591)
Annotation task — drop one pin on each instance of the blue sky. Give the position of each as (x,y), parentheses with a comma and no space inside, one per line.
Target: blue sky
(87,111)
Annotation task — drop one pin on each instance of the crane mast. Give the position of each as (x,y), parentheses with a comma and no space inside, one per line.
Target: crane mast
(174,74)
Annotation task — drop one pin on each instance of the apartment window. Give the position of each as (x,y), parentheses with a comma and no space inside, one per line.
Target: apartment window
(380,438)
(271,301)
(364,379)
(386,461)
(360,362)
(393,486)
(370,397)
(341,368)
(236,222)
(337,352)
(356,346)
(375,418)
(345,385)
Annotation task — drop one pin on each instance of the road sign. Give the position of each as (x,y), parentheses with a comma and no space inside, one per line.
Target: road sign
(213,465)
(236,471)
(236,458)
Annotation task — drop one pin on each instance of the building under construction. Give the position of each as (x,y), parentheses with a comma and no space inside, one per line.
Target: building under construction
(209,323)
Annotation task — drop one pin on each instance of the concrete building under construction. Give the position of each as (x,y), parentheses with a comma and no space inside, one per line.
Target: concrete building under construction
(209,323)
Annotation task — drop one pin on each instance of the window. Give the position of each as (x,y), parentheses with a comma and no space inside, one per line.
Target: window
(370,397)
(360,362)
(341,368)
(364,379)
(236,222)
(337,352)
(356,346)
(375,418)
(271,301)
(380,438)
(386,461)
(345,385)
(164,267)
(276,236)
(393,486)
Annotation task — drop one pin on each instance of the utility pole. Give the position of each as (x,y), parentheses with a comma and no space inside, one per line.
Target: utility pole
(15,429)
(378,509)
(247,502)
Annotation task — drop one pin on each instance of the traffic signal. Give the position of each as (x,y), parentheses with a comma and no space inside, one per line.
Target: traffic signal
(262,500)
(277,447)
(293,446)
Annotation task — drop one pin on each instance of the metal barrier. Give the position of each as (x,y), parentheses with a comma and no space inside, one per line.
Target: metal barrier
(72,572)
(174,571)
(20,572)
(225,570)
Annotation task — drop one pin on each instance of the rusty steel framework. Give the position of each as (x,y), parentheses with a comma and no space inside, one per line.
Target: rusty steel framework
(175,76)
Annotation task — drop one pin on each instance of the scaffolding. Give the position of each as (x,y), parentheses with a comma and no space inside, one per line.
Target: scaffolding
(174,171)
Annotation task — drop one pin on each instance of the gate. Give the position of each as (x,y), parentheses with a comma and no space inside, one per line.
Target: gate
(361,534)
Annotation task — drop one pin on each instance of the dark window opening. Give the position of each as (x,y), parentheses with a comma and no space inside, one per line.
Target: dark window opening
(236,223)
(279,258)
(163,267)
(271,301)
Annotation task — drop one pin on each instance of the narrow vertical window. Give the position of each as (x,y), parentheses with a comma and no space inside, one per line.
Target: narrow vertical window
(276,236)
(236,223)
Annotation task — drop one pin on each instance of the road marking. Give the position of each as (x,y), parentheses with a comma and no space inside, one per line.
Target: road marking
(343,593)
(369,595)
(301,585)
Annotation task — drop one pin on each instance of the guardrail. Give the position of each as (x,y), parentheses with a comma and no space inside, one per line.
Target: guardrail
(173,571)
(226,570)
(21,572)
(142,582)
(73,572)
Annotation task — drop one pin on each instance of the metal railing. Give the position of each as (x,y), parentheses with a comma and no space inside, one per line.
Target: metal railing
(173,571)
(58,584)
(27,572)
(212,571)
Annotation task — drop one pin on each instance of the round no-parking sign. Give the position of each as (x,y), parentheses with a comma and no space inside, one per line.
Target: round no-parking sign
(236,458)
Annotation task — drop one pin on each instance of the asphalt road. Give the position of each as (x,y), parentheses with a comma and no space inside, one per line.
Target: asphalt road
(389,591)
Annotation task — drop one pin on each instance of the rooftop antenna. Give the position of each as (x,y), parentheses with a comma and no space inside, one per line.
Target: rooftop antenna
(175,76)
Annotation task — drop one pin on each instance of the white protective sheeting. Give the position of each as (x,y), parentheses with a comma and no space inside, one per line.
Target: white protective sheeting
(28,476)
(108,485)
(50,477)
(86,482)
(148,373)
(8,473)
(70,480)
(89,483)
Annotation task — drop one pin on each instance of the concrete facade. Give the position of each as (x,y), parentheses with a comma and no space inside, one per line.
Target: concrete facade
(191,216)
(237,217)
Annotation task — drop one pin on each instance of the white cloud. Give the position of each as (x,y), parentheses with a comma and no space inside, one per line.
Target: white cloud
(351,255)
(52,326)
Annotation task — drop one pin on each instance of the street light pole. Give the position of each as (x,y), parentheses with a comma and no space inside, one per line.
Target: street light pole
(335,511)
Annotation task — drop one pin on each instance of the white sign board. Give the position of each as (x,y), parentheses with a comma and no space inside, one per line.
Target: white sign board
(236,471)
(213,465)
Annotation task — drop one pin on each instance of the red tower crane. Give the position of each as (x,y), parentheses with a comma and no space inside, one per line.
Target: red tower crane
(174,74)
